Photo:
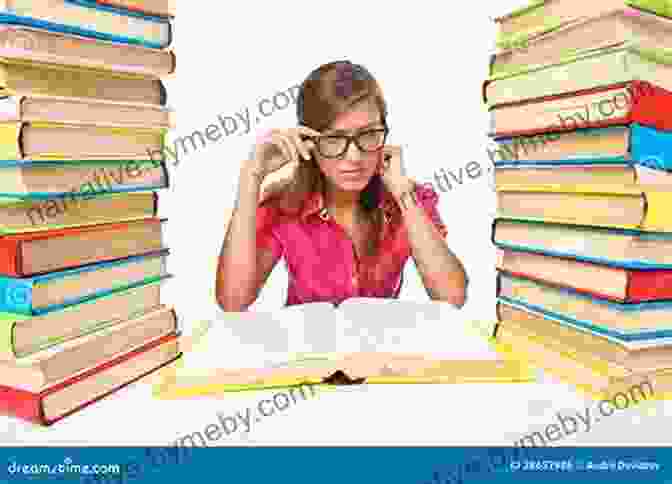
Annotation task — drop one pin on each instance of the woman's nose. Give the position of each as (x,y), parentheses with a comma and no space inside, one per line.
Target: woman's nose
(353,153)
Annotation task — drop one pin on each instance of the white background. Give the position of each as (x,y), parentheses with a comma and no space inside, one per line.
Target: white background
(431,59)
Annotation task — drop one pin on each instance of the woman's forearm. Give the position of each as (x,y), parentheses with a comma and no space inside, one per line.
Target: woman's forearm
(442,273)
(236,286)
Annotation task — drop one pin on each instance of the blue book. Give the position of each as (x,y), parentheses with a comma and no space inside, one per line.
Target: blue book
(625,323)
(633,145)
(623,248)
(88,18)
(45,293)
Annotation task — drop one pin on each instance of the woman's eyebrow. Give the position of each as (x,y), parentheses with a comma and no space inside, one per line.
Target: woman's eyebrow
(345,131)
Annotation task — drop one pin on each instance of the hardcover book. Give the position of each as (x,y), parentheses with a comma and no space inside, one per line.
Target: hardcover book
(46,47)
(28,254)
(89,18)
(32,296)
(363,340)
(615,283)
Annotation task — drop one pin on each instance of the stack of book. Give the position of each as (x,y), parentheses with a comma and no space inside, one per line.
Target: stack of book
(82,257)
(580,96)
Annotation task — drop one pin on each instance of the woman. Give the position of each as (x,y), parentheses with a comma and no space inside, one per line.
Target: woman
(348,219)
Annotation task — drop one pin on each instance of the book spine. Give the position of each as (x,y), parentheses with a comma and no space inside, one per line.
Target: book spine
(22,404)
(10,263)
(649,285)
(651,147)
(16,296)
(656,211)
(650,105)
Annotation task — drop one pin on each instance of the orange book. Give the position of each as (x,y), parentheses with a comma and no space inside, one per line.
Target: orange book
(28,254)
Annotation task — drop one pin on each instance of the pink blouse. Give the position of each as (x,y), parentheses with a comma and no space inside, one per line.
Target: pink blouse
(320,256)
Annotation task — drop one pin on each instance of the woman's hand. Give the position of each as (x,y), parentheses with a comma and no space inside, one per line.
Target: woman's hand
(392,171)
(278,148)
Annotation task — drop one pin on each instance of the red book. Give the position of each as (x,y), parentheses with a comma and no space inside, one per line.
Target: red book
(33,253)
(616,105)
(68,396)
(614,283)
(160,8)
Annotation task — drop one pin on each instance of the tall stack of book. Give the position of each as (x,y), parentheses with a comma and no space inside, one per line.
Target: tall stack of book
(82,257)
(580,96)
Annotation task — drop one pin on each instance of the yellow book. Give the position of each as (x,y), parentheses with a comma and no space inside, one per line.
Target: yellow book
(589,374)
(18,77)
(233,354)
(613,206)
(51,141)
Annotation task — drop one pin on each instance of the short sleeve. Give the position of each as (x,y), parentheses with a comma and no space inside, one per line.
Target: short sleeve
(429,200)
(267,220)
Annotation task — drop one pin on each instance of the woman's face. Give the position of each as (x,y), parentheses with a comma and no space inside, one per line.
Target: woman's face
(353,170)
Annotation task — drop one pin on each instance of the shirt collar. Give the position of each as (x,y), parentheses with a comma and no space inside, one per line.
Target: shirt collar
(314,206)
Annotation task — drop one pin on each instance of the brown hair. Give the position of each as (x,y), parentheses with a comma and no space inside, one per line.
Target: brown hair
(330,90)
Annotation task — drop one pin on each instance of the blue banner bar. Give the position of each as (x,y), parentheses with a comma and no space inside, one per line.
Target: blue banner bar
(310,465)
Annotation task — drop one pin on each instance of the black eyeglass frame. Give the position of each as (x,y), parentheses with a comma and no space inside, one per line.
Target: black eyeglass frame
(349,139)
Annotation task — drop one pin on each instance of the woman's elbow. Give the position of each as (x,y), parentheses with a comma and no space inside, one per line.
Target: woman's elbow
(457,296)
(233,300)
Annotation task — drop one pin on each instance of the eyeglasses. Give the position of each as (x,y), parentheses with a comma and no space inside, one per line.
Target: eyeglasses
(336,145)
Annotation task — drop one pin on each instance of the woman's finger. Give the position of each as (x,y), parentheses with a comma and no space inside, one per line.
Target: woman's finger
(279,142)
(293,154)
(300,146)
(308,131)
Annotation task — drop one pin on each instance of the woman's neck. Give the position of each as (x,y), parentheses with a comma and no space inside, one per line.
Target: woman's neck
(342,204)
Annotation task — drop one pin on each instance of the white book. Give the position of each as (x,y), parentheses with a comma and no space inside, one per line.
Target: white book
(364,339)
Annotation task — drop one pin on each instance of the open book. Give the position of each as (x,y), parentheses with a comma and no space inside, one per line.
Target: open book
(363,340)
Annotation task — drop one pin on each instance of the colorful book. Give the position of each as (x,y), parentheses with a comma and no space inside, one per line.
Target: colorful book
(45,47)
(28,254)
(48,366)
(604,66)
(46,141)
(633,144)
(599,206)
(162,8)
(596,378)
(22,336)
(615,283)
(58,400)
(89,18)
(543,16)
(620,25)
(37,295)
(584,346)
(76,179)
(631,249)
(83,112)
(637,325)
(20,77)
(76,209)
(622,104)
(79,179)
(605,175)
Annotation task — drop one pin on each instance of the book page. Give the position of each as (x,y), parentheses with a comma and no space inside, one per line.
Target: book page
(432,328)
(256,339)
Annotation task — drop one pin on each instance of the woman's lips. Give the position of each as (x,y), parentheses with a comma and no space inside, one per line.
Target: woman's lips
(353,173)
